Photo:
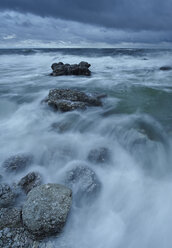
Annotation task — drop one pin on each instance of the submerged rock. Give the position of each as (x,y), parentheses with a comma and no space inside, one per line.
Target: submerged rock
(60,69)
(17,162)
(99,155)
(67,99)
(30,181)
(84,184)
(165,68)
(7,196)
(46,209)
(10,217)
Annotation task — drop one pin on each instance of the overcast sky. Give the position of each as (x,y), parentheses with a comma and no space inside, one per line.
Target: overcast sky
(91,23)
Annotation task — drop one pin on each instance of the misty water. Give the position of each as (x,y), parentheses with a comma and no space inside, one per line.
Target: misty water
(134,205)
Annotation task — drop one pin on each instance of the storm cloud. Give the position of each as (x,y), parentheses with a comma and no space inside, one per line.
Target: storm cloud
(155,15)
(91,23)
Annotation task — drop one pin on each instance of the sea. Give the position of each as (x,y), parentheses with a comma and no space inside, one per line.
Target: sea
(134,206)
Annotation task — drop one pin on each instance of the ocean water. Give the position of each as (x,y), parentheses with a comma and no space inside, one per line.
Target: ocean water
(134,205)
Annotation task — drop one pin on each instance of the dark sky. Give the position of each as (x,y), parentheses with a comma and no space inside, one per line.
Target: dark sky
(86,22)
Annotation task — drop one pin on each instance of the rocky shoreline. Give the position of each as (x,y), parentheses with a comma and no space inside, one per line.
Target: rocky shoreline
(31,211)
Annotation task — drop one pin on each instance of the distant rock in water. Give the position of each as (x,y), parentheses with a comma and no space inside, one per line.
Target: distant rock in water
(99,155)
(46,209)
(17,162)
(84,183)
(165,68)
(30,181)
(67,99)
(60,69)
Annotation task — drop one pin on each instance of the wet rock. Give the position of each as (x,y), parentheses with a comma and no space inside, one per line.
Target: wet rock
(17,162)
(67,99)
(46,209)
(7,196)
(17,238)
(30,181)
(99,155)
(10,217)
(65,106)
(60,69)
(84,183)
(165,68)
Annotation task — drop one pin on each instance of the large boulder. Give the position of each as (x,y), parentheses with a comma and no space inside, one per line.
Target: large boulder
(7,196)
(60,69)
(17,163)
(46,208)
(84,183)
(30,181)
(68,99)
(10,217)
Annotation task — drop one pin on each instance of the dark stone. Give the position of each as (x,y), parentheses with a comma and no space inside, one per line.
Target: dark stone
(10,217)
(30,181)
(46,209)
(7,196)
(165,68)
(60,69)
(17,162)
(17,238)
(67,99)
(84,184)
(99,155)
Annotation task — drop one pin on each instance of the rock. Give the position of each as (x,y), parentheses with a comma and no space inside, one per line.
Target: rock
(165,68)
(46,209)
(17,238)
(7,196)
(30,181)
(67,99)
(99,155)
(60,69)
(10,217)
(65,106)
(84,184)
(17,162)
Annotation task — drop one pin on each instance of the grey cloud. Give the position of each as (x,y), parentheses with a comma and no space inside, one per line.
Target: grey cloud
(18,29)
(119,14)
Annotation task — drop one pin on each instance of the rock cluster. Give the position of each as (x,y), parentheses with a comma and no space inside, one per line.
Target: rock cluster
(31,210)
(60,69)
(68,99)
(43,213)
